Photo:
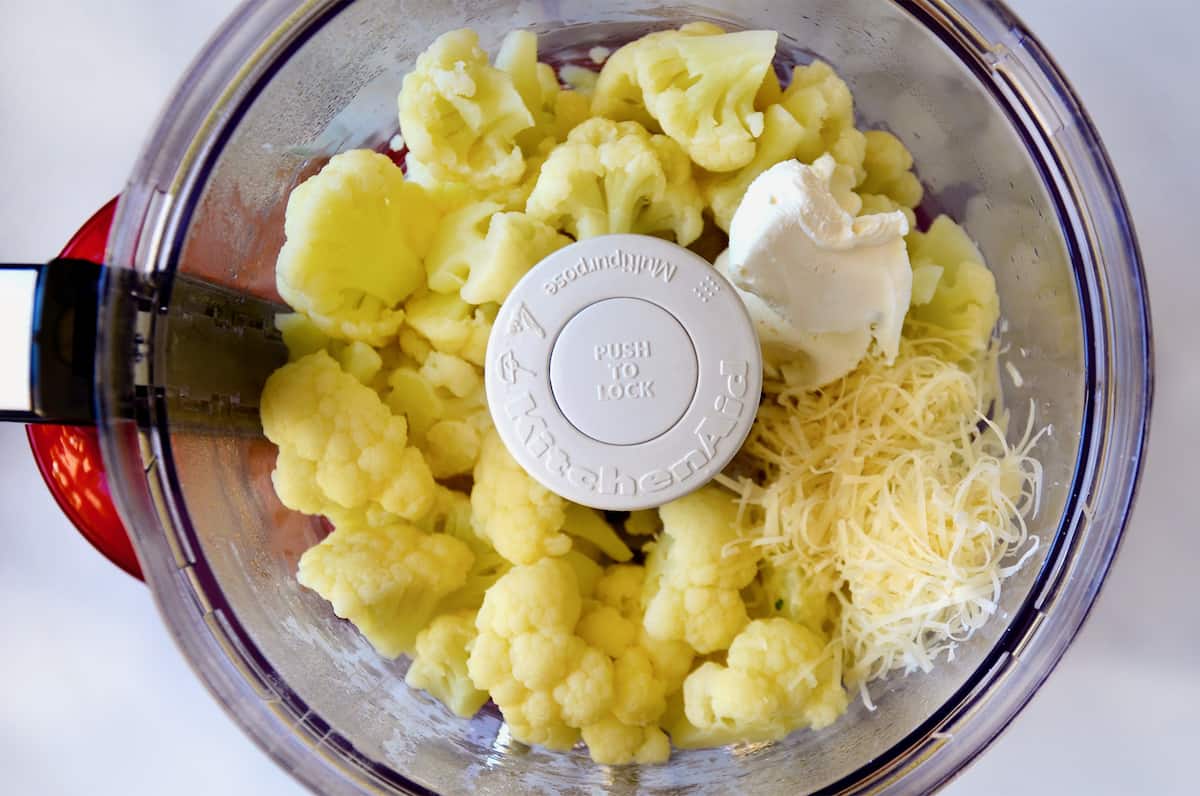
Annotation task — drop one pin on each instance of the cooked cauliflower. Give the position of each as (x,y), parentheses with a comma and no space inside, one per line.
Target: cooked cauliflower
(554,111)
(451,515)
(698,85)
(964,302)
(696,570)
(612,743)
(547,681)
(616,93)
(341,450)
(821,102)
(439,665)
(300,335)
(461,116)
(560,666)
(888,165)
(701,90)
(522,519)
(590,526)
(781,137)
(481,252)
(778,677)
(646,671)
(360,361)
(387,580)
(451,325)
(611,177)
(356,232)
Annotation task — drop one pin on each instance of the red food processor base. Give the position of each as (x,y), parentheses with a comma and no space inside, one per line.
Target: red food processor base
(69,456)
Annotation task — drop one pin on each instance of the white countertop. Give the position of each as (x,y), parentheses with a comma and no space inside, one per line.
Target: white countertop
(95,697)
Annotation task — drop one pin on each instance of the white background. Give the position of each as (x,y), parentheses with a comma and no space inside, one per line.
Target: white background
(94,697)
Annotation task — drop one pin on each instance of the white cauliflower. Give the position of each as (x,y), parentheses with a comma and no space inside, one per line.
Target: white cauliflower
(616,94)
(610,177)
(341,450)
(821,102)
(461,116)
(451,325)
(439,665)
(782,136)
(696,570)
(547,681)
(356,232)
(964,302)
(778,677)
(699,88)
(888,165)
(554,111)
(387,580)
(480,252)
(522,519)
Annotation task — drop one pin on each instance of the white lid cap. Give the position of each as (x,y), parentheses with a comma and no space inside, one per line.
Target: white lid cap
(623,372)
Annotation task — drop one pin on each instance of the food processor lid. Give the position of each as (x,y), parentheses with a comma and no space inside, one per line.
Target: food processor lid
(623,372)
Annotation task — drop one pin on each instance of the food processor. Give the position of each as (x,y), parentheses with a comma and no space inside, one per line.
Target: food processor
(183,337)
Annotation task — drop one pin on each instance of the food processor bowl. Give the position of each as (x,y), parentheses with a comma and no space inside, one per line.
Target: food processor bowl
(1001,144)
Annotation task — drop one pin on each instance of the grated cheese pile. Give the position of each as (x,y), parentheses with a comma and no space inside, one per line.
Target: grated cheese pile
(887,504)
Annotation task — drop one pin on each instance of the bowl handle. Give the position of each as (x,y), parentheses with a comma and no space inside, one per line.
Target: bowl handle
(68,456)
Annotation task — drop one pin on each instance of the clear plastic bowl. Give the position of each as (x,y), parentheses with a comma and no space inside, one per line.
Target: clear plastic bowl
(1001,143)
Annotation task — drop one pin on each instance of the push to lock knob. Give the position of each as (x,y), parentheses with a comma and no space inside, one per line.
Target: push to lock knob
(623,372)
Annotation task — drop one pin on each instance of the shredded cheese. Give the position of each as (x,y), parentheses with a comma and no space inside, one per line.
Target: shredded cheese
(899,480)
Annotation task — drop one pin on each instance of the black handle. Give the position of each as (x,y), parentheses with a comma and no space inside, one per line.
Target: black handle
(49,367)
(185,347)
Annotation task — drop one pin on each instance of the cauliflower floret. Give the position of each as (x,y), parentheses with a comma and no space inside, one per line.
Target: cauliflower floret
(413,396)
(461,116)
(779,677)
(646,671)
(701,90)
(481,252)
(873,203)
(821,102)
(559,665)
(451,325)
(611,177)
(520,517)
(612,743)
(360,361)
(340,448)
(590,526)
(696,570)
(451,448)
(440,663)
(387,580)
(451,373)
(546,680)
(782,136)
(554,111)
(300,335)
(965,302)
(807,598)
(443,402)
(356,232)
(770,92)
(671,79)
(888,165)
(451,515)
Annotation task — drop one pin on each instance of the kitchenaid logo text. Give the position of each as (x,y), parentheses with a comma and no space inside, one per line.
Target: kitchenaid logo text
(619,260)
(710,433)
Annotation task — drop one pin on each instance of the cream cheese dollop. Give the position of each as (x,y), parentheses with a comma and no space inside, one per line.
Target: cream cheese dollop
(820,284)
